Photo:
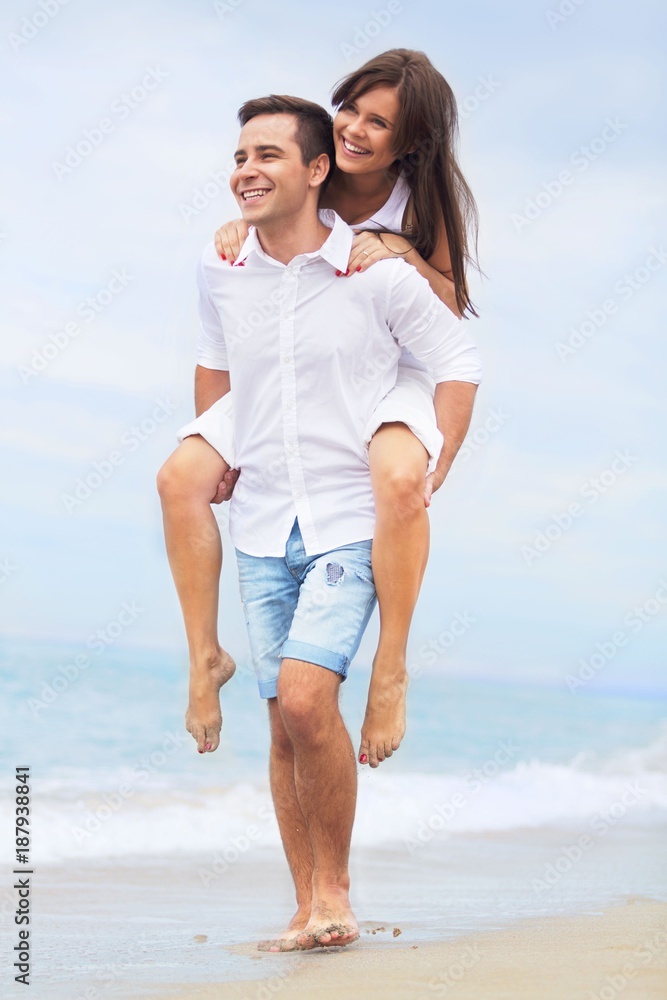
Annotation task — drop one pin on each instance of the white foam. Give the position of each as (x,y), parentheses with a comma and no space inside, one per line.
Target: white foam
(125,815)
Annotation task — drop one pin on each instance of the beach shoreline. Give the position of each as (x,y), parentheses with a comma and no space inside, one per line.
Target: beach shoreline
(174,927)
(621,951)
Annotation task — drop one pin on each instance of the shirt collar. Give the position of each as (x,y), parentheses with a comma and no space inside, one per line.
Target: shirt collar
(335,249)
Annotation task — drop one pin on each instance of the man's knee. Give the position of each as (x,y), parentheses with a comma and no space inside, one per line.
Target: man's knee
(307,695)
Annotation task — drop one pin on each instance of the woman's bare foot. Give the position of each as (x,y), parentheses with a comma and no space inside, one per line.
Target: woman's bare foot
(384,722)
(288,939)
(332,922)
(203,719)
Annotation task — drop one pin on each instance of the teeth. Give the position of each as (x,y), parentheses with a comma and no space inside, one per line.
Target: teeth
(353,149)
(252,195)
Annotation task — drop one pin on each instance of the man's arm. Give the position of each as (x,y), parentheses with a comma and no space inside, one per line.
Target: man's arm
(420,322)
(453,408)
(211,384)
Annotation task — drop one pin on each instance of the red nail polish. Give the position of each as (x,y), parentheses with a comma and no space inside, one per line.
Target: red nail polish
(338,273)
(363,758)
(223,256)
(359,268)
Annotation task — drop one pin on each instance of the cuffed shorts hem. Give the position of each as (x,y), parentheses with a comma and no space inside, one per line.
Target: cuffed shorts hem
(409,402)
(216,426)
(295,650)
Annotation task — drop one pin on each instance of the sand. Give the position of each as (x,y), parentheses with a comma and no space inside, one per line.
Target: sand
(621,952)
(472,925)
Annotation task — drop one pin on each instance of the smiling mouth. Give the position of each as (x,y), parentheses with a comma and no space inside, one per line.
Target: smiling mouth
(351,148)
(254,194)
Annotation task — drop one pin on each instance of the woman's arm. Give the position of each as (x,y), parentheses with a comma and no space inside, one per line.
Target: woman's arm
(369,247)
(436,269)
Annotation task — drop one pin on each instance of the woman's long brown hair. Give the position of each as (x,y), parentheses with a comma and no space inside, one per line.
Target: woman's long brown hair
(425,137)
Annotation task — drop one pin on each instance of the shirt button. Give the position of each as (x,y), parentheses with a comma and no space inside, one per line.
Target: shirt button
(300,495)
(286,359)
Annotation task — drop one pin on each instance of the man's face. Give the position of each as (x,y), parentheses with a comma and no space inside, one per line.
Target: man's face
(270,181)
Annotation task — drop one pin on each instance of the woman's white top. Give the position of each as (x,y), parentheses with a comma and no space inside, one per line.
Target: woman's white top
(390,216)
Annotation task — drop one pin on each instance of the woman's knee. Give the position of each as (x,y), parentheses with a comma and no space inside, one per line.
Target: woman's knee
(191,472)
(398,472)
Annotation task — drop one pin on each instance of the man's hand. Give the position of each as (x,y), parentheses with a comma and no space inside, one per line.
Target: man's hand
(226,487)
(433,482)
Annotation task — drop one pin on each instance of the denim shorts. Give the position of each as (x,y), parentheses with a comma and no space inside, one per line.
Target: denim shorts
(313,608)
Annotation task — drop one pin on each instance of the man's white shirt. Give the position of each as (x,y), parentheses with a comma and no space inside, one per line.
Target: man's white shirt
(310,356)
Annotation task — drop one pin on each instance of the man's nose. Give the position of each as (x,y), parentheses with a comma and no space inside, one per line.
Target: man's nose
(248,169)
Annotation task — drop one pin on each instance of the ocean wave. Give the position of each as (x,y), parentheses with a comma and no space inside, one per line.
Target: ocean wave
(129,814)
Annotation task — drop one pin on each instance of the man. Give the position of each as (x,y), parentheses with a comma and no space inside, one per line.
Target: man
(302,514)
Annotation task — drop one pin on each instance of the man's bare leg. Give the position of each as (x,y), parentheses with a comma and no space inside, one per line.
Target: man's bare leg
(292,830)
(187,483)
(398,465)
(325,782)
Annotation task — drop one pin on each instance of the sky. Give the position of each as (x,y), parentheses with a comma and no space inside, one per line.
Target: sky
(548,537)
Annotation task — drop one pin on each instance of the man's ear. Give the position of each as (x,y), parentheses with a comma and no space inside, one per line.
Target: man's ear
(319,170)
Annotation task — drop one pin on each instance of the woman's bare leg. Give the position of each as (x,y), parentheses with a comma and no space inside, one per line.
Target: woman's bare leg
(398,464)
(187,483)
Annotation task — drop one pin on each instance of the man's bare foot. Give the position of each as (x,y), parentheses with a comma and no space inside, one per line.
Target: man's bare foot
(332,922)
(203,719)
(288,939)
(384,722)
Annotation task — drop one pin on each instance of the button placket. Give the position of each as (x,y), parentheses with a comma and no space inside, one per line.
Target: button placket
(288,394)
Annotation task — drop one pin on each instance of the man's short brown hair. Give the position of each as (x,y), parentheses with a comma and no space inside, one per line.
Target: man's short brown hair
(314,125)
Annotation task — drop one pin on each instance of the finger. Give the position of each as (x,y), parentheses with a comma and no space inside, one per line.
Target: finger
(365,260)
(230,479)
(218,244)
(227,252)
(220,493)
(240,236)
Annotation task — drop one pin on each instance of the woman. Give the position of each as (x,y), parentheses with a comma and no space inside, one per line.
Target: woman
(395,172)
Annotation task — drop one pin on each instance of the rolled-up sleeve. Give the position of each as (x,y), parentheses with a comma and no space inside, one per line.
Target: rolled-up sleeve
(420,322)
(211,347)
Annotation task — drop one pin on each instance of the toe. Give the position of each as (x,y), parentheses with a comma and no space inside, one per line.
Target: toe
(373,756)
(388,749)
(364,750)
(212,740)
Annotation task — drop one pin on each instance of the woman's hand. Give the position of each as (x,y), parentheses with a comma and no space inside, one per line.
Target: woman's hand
(367,248)
(230,238)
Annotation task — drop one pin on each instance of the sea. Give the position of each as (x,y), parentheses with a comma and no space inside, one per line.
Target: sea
(505,801)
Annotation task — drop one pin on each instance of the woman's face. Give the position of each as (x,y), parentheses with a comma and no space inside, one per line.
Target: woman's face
(364,131)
